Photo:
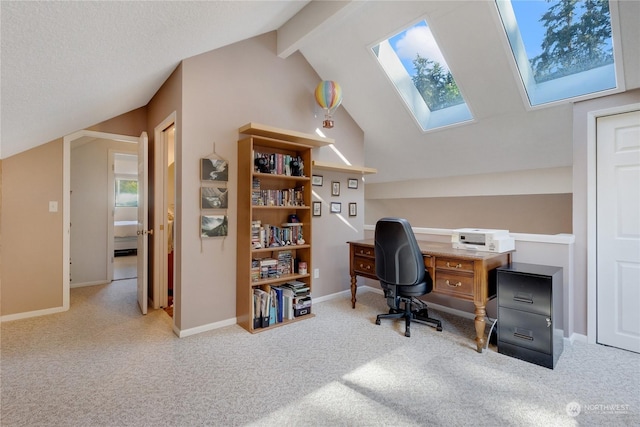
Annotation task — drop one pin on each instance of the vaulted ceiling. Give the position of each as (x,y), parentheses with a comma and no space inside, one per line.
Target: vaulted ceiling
(69,65)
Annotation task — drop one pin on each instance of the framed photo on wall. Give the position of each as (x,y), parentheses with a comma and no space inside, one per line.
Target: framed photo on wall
(335,188)
(316,180)
(352,183)
(214,198)
(317,208)
(213,226)
(214,170)
(353,209)
(336,207)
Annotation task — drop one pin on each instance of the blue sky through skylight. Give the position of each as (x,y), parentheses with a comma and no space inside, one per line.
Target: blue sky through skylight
(569,76)
(416,40)
(434,87)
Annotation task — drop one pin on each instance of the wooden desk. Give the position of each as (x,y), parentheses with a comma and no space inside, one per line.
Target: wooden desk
(456,273)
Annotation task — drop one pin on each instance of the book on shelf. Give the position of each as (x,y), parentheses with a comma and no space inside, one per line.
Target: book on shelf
(278,164)
(261,307)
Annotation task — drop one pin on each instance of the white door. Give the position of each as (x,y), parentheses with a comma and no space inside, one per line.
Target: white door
(143,222)
(618,230)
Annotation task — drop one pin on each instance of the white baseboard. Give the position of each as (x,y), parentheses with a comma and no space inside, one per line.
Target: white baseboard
(181,333)
(36,313)
(84,284)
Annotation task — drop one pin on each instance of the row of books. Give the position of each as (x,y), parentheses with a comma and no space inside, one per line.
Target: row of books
(269,236)
(272,268)
(285,197)
(277,304)
(279,164)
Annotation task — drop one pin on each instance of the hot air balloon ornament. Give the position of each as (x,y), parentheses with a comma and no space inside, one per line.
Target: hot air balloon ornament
(328,96)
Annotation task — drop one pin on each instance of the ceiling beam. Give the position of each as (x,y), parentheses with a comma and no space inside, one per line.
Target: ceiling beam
(316,16)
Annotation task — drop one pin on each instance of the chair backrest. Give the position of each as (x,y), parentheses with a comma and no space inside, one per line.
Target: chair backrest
(398,257)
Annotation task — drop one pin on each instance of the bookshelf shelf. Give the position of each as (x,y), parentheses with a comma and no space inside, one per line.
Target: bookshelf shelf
(257,129)
(280,248)
(337,167)
(266,203)
(281,279)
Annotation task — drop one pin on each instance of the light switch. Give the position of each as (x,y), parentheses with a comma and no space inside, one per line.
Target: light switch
(53,206)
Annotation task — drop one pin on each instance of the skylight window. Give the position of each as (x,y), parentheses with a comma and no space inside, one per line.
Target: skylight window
(416,66)
(563,48)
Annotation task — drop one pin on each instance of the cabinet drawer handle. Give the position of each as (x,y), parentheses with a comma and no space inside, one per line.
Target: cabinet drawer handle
(368,267)
(456,266)
(523,337)
(455,285)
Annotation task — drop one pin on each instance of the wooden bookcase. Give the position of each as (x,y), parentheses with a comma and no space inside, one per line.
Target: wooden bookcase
(264,140)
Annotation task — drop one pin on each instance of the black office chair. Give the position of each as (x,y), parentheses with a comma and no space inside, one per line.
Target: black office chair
(402,274)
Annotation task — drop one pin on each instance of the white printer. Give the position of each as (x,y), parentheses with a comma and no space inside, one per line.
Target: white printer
(486,240)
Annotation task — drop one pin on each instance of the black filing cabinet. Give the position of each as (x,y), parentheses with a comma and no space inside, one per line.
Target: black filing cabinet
(530,312)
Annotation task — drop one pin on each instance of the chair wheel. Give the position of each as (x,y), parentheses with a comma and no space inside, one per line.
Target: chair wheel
(407,334)
(439,328)
(377,321)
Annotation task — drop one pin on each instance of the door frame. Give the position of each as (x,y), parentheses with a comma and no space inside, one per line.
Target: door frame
(66,200)
(592,279)
(161,206)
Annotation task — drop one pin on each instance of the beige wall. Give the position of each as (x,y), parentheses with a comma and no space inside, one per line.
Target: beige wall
(32,279)
(31,235)
(132,123)
(532,213)
(222,91)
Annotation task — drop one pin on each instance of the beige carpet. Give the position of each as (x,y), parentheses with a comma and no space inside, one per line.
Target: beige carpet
(104,364)
(125,267)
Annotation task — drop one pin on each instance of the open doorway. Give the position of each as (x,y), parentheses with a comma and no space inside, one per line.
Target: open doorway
(124,181)
(89,196)
(164,242)
(92,207)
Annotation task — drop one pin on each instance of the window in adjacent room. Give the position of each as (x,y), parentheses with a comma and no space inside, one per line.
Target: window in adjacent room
(126,192)
(414,63)
(563,49)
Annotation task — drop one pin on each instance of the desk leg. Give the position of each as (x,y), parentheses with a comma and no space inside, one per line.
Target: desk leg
(480,323)
(354,287)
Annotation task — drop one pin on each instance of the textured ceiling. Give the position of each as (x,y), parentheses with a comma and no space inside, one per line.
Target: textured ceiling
(69,65)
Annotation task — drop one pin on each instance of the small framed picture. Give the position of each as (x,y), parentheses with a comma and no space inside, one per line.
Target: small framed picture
(353,209)
(336,207)
(214,170)
(213,198)
(335,188)
(352,183)
(213,226)
(316,180)
(317,208)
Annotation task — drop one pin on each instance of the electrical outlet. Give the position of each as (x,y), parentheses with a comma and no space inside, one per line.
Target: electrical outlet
(316,273)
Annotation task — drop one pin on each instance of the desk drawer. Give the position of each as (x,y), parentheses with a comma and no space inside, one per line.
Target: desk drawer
(364,265)
(364,251)
(458,285)
(454,264)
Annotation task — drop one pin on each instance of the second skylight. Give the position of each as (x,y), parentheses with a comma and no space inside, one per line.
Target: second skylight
(414,63)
